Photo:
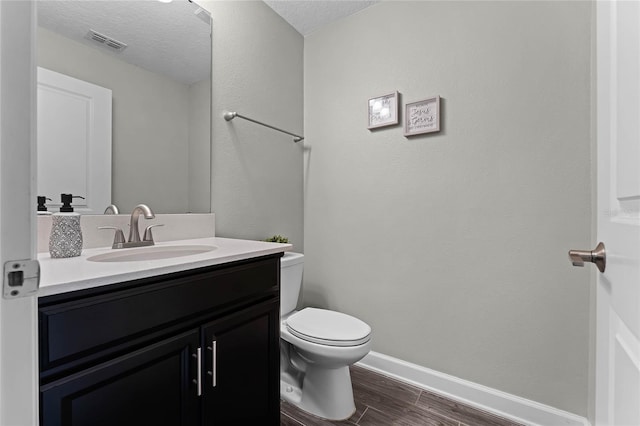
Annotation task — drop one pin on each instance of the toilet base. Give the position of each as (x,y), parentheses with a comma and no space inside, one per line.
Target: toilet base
(325,393)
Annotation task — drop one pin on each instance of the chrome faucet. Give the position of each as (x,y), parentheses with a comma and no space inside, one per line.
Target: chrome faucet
(134,233)
(111,209)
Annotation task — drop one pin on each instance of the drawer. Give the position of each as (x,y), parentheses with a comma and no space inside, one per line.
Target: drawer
(83,326)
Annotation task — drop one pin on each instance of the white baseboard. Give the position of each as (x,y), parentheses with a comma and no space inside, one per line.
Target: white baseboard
(484,398)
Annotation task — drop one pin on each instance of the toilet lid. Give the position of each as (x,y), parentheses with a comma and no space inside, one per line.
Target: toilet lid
(328,327)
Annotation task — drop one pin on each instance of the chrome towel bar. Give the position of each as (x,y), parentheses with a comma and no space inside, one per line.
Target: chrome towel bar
(231,115)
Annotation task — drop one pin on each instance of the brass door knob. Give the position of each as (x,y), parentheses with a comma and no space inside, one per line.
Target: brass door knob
(597,256)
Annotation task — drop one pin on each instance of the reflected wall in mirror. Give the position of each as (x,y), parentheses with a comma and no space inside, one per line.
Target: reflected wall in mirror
(161,93)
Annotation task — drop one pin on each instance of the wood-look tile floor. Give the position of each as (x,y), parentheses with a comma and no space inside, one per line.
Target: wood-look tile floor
(382,401)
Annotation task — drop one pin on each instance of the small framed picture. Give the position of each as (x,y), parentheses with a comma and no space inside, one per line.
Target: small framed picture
(422,116)
(383,110)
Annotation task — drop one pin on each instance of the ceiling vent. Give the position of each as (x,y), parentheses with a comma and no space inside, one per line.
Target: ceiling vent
(109,42)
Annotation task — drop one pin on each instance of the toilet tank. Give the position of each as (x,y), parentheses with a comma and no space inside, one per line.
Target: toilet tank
(291,266)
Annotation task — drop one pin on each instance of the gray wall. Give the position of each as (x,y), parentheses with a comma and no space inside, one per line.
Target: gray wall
(199,164)
(452,246)
(151,152)
(256,172)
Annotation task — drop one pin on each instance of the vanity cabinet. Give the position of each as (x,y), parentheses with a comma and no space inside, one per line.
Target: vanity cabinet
(148,386)
(199,347)
(239,378)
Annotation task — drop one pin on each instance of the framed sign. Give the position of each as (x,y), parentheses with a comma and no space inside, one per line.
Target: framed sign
(383,110)
(422,116)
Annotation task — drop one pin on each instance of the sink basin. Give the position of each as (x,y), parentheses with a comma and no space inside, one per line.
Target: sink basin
(151,253)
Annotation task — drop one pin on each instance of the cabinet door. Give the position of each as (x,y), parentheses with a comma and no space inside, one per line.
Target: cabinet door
(242,380)
(150,386)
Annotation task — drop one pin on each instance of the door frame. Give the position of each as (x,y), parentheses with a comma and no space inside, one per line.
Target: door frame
(18,317)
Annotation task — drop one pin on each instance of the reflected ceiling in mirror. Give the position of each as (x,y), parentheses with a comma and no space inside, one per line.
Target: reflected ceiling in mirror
(156,59)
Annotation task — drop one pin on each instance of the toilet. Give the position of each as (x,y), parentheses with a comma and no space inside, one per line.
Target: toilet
(317,346)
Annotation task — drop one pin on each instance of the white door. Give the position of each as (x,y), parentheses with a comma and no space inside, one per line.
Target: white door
(18,316)
(618,294)
(74,141)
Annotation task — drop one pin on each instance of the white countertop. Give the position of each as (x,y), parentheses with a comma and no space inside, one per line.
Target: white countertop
(77,273)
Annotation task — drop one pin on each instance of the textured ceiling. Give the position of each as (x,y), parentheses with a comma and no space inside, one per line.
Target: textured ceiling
(308,15)
(171,38)
(167,38)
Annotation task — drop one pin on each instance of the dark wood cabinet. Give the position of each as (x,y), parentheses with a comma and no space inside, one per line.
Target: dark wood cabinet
(238,357)
(199,347)
(151,386)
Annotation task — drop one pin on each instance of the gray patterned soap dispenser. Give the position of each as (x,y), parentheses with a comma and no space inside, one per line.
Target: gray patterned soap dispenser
(66,236)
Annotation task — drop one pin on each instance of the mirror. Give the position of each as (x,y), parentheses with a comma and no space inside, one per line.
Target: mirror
(155,58)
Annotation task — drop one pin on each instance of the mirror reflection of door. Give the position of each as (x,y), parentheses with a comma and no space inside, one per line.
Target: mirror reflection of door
(74,141)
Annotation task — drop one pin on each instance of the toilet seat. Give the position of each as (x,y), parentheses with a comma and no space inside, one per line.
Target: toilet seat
(328,327)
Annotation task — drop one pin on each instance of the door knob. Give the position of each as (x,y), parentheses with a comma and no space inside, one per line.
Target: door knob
(597,256)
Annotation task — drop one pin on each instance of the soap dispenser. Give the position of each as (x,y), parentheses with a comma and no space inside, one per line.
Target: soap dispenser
(42,205)
(66,236)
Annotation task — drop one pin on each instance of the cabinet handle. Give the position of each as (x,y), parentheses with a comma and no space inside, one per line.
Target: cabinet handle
(213,348)
(197,381)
